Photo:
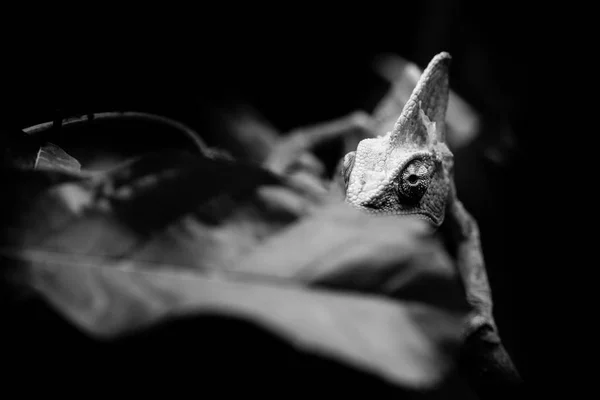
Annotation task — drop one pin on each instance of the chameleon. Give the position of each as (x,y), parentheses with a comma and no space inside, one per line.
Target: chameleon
(408,171)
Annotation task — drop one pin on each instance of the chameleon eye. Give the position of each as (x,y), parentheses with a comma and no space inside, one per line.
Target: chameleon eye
(415,179)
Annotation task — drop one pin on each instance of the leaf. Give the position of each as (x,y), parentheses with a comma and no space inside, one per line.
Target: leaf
(393,339)
(166,237)
(241,129)
(293,151)
(50,156)
(339,247)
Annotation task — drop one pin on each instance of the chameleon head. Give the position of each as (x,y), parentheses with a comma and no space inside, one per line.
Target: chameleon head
(408,171)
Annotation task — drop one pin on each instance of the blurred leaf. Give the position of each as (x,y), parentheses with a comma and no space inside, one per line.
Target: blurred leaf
(167,236)
(241,129)
(294,151)
(50,156)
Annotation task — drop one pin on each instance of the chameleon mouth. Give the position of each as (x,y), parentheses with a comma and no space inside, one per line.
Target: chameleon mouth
(435,222)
